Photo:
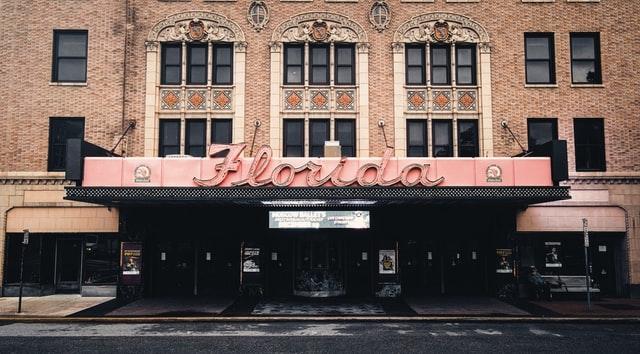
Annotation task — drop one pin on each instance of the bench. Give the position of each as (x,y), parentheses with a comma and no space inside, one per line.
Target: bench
(569,284)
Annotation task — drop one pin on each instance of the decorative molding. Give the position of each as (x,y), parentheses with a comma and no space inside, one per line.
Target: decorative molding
(380,15)
(199,26)
(319,27)
(602,180)
(258,15)
(422,28)
(35,181)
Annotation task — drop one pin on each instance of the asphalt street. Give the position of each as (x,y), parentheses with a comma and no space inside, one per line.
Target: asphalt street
(323,337)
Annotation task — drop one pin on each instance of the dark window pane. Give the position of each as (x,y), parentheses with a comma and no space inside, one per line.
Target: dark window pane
(101,259)
(171,64)
(583,72)
(465,76)
(583,48)
(294,56)
(293,138)
(72,44)
(541,131)
(293,61)
(468,139)
(442,146)
(344,55)
(223,75)
(196,144)
(538,72)
(319,75)
(344,75)
(172,75)
(318,134)
(61,129)
(221,131)
(439,56)
(415,75)
(169,137)
(416,138)
(198,55)
(32,259)
(589,144)
(439,75)
(223,64)
(345,133)
(345,67)
(223,55)
(319,55)
(537,47)
(172,54)
(415,55)
(294,74)
(465,56)
(198,75)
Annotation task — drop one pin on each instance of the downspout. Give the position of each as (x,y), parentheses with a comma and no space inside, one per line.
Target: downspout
(124,64)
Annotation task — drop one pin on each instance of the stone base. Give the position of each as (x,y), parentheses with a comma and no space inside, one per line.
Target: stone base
(99,291)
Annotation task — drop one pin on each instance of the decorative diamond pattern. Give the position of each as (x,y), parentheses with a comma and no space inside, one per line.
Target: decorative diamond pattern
(441,100)
(196,99)
(466,100)
(293,99)
(344,99)
(416,100)
(319,100)
(222,99)
(170,99)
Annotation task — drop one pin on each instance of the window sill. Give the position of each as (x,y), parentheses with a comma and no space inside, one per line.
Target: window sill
(77,84)
(541,85)
(587,85)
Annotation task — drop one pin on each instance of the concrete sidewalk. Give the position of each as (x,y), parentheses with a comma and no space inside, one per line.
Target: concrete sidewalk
(175,306)
(59,305)
(462,306)
(605,307)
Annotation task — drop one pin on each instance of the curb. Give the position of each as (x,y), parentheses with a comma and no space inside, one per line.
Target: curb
(434,319)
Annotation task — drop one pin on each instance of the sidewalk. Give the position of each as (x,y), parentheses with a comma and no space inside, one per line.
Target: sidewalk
(59,305)
(606,307)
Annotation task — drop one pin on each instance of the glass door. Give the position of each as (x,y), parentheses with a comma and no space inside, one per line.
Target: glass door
(68,262)
(319,267)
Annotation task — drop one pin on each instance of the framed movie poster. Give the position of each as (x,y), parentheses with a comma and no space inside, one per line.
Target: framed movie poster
(131,263)
(552,254)
(251,260)
(504,260)
(387,262)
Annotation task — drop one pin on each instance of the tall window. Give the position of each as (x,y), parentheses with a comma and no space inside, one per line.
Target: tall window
(61,129)
(440,65)
(541,131)
(345,133)
(69,56)
(466,65)
(589,139)
(345,64)
(442,140)
(585,58)
(539,54)
(221,131)
(196,144)
(319,62)
(318,134)
(468,138)
(293,64)
(171,64)
(169,137)
(415,64)
(197,64)
(222,64)
(416,138)
(293,137)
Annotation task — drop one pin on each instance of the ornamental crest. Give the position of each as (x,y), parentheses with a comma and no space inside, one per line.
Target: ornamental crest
(494,173)
(196,30)
(142,174)
(319,31)
(441,31)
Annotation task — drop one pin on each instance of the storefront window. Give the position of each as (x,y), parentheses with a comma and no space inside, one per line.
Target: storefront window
(101,259)
(31,273)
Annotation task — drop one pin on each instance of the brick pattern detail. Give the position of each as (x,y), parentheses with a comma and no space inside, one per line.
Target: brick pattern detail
(293,99)
(345,100)
(416,100)
(441,100)
(170,99)
(196,99)
(467,100)
(221,100)
(319,99)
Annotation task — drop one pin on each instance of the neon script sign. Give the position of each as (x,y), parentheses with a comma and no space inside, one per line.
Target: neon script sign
(263,172)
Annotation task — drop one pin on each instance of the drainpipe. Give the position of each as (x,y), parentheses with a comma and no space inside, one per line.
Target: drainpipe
(124,63)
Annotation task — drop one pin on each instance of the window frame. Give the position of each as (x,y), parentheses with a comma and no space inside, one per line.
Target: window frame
(312,123)
(55,67)
(52,145)
(286,65)
(162,147)
(447,66)
(476,137)
(352,122)
(285,127)
(187,143)
(597,54)
(216,66)
(602,145)
(337,66)
(214,123)
(425,138)
(164,65)
(422,66)
(473,66)
(326,66)
(551,60)
(190,65)
(531,121)
(449,123)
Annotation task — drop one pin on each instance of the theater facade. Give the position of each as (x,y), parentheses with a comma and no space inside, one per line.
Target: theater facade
(320,148)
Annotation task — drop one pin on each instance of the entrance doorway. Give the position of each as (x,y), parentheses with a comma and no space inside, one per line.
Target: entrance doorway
(68,265)
(319,266)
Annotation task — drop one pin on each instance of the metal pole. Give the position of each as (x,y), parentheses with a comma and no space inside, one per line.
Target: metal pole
(25,242)
(585,229)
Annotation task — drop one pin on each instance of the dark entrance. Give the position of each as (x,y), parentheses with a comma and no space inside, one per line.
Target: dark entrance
(68,265)
(175,273)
